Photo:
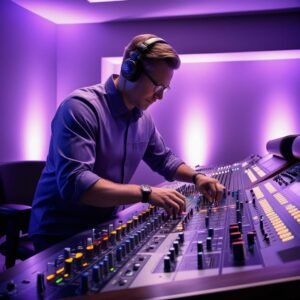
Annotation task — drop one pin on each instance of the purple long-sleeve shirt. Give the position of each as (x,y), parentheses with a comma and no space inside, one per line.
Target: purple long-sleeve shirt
(94,136)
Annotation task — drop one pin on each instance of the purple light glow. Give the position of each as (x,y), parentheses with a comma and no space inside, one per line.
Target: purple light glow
(280,117)
(81,11)
(194,134)
(220,103)
(35,126)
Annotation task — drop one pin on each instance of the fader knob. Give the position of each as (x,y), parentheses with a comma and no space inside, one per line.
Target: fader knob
(11,287)
(251,238)
(200,260)
(206,221)
(84,282)
(208,243)
(172,254)
(40,283)
(210,232)
(67,252)
(238,251)
(181,237)
(176,247)
(96,274)
(199,246)
(167,264)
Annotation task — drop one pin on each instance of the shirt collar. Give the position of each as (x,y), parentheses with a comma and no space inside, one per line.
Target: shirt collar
(115,101)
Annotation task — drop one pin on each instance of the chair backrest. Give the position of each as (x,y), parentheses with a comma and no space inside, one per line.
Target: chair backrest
(18,181)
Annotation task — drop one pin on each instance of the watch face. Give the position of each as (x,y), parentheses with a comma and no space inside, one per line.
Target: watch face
(146,191)
(146,188)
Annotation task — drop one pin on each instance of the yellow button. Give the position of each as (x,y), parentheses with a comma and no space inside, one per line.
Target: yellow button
(59,271)
(50,277)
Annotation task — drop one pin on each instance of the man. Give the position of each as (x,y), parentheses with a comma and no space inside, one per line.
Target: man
(99,136)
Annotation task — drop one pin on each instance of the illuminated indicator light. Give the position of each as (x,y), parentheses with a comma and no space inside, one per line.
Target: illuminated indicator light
(285,235)
(275,219)
(259,171)
(281,199)
(59,280)
(273,215)
(66,275)
(289,206)
(277,222)
(250,175)
(258,193)
(90,247)
(293,211)
(280,227)
(85,264)
(112,269)
(270,188)
(282,231)
(105,238)
(296,214)
(69,260)
(59,271)
(288,238)
(50,277)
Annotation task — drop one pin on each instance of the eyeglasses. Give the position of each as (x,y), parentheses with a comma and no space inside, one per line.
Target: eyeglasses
(158,88)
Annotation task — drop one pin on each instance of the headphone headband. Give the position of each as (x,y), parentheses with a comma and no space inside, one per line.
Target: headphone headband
(132,67)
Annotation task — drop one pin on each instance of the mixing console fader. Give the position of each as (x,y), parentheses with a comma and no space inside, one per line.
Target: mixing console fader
(246,245)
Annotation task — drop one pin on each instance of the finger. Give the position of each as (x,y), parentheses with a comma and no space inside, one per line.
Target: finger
(220,191)
(167,208)
(179,195)
(212,190)
(181,202)
(175,206)
(207,196)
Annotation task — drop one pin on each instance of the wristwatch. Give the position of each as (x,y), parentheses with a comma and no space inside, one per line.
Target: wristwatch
(146,192)
(195,175)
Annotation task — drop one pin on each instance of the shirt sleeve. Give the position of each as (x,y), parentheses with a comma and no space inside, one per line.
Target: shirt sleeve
(160,158)
(74,135)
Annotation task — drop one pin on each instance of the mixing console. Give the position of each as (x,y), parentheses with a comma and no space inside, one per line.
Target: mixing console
(248,244)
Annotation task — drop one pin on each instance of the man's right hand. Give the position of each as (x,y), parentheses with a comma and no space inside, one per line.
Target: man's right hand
(172,201)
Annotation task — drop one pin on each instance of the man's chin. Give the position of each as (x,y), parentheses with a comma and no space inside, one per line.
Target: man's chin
(144,106)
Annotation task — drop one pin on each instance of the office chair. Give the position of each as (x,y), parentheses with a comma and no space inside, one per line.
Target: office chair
(18,182)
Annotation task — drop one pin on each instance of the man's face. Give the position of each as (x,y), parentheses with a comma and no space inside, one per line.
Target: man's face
(151,85)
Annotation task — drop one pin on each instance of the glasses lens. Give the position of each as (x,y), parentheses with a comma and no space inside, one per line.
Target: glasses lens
(160,89)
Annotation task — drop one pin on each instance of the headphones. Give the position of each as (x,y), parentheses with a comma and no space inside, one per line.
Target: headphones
(132,67)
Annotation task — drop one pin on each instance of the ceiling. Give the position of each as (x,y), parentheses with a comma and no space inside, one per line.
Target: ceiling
(81,11)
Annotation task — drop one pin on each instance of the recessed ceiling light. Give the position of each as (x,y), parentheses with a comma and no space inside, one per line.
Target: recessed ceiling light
(96,1)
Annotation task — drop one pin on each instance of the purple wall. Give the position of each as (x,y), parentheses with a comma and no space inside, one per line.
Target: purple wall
(41,63)
(28,83)
(235,115)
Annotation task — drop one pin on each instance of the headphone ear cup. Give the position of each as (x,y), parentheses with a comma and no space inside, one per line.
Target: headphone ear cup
(128,69)
(132,67)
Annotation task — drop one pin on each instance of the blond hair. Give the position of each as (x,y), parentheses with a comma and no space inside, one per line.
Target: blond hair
(159,51)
